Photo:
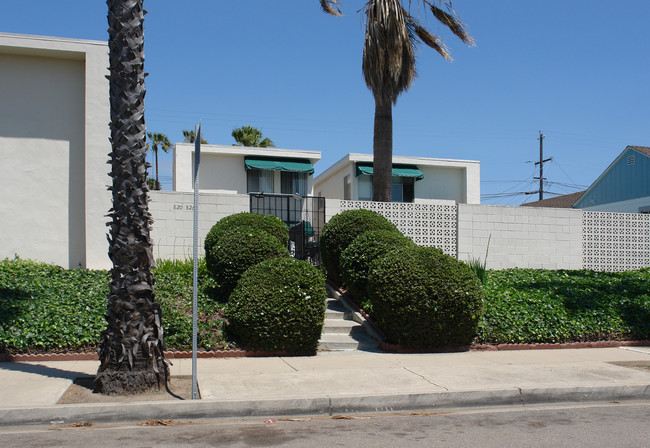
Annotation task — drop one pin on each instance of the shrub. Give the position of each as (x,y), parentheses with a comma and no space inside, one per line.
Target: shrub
(237,250)
(424,298)
(341,230)
(278,305)
(270,224)
(357,258)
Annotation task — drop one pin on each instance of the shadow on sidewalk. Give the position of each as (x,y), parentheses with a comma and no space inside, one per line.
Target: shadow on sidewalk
(38,369)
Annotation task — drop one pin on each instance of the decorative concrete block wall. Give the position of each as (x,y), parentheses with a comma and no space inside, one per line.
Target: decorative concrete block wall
(615,241)
(520,236)
(523,237)
(432,224)
(173,214)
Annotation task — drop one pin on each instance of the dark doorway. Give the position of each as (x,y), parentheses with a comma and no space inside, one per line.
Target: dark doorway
(305,216)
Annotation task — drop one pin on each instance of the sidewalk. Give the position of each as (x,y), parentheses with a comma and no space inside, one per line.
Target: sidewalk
(342,382)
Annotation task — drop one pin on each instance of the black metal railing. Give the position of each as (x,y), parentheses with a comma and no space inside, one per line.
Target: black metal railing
(305,216)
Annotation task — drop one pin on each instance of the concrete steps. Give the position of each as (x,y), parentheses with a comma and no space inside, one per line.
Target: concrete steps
(341,331)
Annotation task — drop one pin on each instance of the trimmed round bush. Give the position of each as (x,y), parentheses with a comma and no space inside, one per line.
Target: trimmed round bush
(357,258)
(278,305)
(423,298)
(339,232)
(268,223)
(237,250)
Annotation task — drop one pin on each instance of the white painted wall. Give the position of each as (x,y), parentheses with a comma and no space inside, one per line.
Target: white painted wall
(222,167)
(456,180)
(523,237)
(54,144)
(172,232)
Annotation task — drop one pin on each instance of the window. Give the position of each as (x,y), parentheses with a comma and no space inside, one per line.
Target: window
(347,188)
(259,181)
(365,187)
(293,183)
(402,189)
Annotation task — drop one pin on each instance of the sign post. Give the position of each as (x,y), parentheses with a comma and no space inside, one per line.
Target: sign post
(195,273)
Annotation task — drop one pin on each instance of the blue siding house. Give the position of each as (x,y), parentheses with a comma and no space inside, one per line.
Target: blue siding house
(623,187)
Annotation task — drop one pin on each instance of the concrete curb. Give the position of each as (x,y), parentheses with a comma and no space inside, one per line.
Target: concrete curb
(201,409)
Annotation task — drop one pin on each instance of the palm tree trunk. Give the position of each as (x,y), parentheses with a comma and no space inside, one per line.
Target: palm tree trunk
(382,151)
(131,348)
(156,156)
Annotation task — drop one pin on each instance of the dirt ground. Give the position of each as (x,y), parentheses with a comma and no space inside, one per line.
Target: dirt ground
(81,391)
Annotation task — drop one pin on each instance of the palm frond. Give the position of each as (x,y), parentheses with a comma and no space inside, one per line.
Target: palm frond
(453,23)
(331,7)
(388,54)
(432,41)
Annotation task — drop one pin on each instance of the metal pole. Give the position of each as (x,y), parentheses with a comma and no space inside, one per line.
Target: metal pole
(195,271)
(541,166)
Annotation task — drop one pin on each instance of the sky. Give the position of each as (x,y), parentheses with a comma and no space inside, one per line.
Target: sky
(576,70)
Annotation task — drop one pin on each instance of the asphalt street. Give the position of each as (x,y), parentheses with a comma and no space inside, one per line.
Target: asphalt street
(601,425)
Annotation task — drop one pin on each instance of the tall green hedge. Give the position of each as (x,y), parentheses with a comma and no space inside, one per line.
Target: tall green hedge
(339,232)
(423,298)
(357,258)
(278,305)
(237,250)
(270,224)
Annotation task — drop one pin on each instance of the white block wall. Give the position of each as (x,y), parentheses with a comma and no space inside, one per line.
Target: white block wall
(522,237)
(173,214)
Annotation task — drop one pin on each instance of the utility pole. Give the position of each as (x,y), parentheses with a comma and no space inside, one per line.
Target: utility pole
(541,165)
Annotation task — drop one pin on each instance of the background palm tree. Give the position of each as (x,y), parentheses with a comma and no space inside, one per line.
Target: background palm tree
(190,136)
(131,348)
(158,140)
(250,136)
(389,66)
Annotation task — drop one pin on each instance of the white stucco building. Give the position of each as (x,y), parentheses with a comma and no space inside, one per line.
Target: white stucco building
(54,144)
(415,179)
(242,170)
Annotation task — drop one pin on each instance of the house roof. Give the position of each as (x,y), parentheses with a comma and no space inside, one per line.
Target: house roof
(588,194)
(250,151)
(353,158)
(642,149)
(564,201)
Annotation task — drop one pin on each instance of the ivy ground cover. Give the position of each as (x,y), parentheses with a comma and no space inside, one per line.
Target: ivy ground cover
(45,308)
(531,306)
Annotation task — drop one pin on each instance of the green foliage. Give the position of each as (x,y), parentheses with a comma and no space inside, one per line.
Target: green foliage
(251,136)
(357,258)
(424,298)
(340,231)
(237,250)
(528,306)
(279,304)
(478,267)
(270,224)
(48,308)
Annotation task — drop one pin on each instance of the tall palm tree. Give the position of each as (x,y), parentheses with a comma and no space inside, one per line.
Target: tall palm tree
(190,136)
(131,348)
(250,136)
(389,66)
(158,140)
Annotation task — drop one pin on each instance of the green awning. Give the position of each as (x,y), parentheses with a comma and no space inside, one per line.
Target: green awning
(398,171)
(293,165)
